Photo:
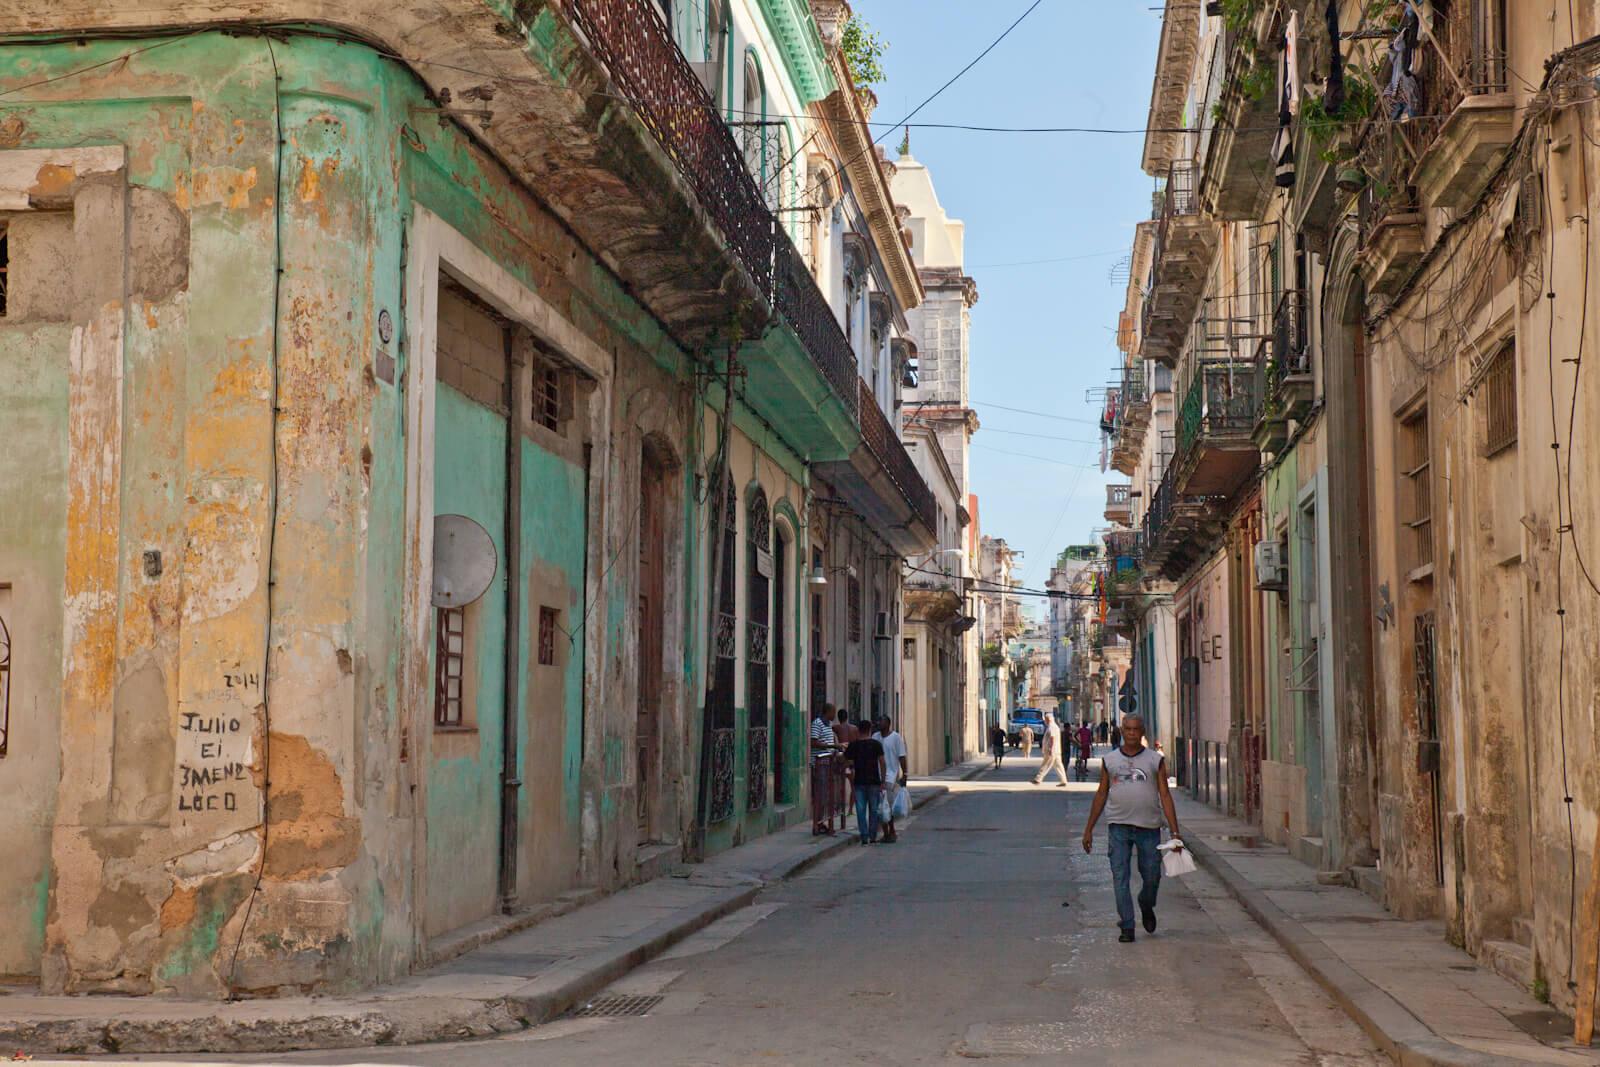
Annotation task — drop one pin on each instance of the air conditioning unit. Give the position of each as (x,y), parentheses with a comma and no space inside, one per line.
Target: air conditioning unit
(1272,566)
(881,632)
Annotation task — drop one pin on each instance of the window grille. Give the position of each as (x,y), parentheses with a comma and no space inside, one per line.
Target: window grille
(547,637)
(1500,401)
(549,387)
(853,606)
(1416,488)
(450,625)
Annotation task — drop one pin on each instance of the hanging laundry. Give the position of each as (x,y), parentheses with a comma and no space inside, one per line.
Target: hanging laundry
(1403,93)
(1288,104)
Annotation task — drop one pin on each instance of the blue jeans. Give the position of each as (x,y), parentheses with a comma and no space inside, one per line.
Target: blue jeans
(867,811)
(1124,839)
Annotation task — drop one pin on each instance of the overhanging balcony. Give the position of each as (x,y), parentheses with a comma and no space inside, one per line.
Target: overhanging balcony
(1291,386)
(932,598)
(881,481)
(1238,177)
(1216,452)
(1179,529)
(1133,418)
(1119,505)
(1185,244)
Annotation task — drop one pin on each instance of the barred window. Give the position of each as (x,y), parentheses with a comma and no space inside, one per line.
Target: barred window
(450,625)
(853,608)
(553,386)
(1499,397)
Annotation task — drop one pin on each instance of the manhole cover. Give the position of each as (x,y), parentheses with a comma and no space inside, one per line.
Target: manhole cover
(615,1006)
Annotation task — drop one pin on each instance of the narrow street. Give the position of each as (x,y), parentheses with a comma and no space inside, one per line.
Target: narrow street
(954,943)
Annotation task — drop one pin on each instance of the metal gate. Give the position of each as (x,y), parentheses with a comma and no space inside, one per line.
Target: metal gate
(1428,748)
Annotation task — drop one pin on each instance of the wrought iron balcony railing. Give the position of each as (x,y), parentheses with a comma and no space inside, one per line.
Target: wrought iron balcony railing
(884,444)
(650,71)
(1159,509)
(1222,401)
(1291,341)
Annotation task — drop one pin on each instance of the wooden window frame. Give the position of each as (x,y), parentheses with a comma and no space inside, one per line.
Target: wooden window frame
(450,665)
(1498,389)
(1415,467)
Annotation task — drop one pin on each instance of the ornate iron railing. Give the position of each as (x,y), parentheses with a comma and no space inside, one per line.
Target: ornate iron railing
(808,314)
(634,43)
(1288,355)
(884,444)
(1222,401)
(1160,507)
(636,46)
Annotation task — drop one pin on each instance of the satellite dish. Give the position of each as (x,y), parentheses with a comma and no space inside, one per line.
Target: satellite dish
(464,561)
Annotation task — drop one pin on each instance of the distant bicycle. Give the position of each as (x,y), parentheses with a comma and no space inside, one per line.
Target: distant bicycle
(1080,768)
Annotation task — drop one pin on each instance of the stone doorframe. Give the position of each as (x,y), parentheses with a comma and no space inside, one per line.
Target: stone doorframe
(432,243)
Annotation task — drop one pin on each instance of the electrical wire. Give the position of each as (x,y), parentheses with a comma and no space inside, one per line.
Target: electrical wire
(272,509)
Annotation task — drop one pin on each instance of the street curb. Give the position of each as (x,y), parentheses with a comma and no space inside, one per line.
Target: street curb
(377,1019)
(1405,1038)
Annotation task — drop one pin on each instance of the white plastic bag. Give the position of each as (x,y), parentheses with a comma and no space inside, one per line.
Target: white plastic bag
(1175,859)
(884,812)
(902,803)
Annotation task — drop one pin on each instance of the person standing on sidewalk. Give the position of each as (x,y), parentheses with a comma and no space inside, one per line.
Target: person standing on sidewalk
(997,743)
(895,773)
(864,764)
(1052,751)
(1134,796)
(823,747)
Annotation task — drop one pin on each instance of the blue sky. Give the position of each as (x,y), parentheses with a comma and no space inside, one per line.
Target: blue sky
(1042,335)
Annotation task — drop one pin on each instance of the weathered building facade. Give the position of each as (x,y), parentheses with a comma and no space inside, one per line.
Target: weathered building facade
(423,470)
(1382,263)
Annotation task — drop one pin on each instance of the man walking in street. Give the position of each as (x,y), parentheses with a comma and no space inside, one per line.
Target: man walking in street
(823,747)
(1052,751)
(864,764)
(1027,739)
(895,774)
(1133,794)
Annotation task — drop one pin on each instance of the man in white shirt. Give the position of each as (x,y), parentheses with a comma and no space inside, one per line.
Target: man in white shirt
(1052,751)
(895,774)
(823,747)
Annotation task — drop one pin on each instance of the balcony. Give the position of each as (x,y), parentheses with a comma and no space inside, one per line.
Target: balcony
(1119,506)
(1178,529)
(1185,243)
(1133,418)
(721,259)
(880,480)
(1470,117)
(932,598)
(1290,384)
(1238,178)
(1216,452)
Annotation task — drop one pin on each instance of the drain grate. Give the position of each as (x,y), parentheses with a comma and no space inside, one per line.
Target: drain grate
(615,1006)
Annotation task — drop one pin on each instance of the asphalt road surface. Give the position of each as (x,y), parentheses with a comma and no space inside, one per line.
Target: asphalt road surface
(985,933)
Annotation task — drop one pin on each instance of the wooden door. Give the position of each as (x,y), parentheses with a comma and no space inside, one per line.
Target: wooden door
(780,666)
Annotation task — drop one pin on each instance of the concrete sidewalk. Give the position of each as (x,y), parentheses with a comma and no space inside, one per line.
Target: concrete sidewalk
(1421,999)
(524,979)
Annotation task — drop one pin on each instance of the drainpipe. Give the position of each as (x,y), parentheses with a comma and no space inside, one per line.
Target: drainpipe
(510,776)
